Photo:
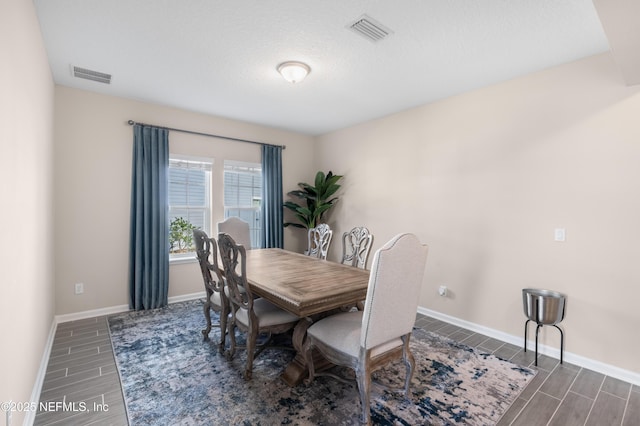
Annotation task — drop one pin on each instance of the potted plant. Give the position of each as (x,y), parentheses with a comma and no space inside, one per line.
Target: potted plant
(315,200)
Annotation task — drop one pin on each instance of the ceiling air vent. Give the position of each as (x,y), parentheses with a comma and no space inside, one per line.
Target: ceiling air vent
(370,29)
(100,77)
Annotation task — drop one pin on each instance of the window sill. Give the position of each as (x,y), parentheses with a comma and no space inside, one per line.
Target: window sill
(185,259)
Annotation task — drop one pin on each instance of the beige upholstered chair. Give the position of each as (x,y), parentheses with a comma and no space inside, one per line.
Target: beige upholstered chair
(366,341)
(356,245)
(253,316)
(238,229)
(319,240)
(207,253)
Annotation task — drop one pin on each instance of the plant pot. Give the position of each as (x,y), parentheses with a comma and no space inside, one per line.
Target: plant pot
(543,306)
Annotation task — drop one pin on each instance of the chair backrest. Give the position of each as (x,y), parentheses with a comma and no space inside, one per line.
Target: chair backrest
(238,229)
(234,255)
(394,289)
(207,254)
(355,247)
(319,239)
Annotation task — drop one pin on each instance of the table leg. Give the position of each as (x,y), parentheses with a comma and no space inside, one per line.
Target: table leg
(297,369)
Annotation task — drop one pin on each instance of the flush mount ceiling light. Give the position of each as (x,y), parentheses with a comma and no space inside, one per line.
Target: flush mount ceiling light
(294,72)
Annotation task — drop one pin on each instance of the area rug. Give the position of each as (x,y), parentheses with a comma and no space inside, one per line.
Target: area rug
(170,376)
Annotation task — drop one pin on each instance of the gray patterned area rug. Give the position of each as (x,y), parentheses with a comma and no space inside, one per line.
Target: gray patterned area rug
(171,376)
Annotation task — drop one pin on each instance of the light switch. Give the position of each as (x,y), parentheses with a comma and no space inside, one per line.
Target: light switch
(559,234)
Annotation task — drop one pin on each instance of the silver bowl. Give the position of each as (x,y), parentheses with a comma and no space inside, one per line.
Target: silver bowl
(543,306)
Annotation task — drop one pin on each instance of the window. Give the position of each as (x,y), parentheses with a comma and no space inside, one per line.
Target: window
(243,195)
(189,203)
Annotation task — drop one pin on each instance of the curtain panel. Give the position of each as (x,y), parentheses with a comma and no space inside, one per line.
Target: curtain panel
(149,233)
(272,220)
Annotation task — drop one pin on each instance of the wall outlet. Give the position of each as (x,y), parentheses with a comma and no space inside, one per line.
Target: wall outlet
(442,290)
(79,288)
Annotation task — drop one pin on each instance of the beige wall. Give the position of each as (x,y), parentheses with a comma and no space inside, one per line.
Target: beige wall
(26,137)
(93,180)
(485,177)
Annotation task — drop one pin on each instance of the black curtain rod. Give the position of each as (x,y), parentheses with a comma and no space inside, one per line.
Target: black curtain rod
(131,123)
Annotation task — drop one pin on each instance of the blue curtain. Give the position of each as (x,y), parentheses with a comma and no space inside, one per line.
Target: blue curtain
(149,237)
(272,235)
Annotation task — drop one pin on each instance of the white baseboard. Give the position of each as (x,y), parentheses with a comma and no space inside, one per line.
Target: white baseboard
(185,297)
(30,416)
(119,308)
(91,313)
(600,367)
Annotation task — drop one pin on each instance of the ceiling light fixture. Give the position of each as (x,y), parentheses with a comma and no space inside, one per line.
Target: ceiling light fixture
(294,72)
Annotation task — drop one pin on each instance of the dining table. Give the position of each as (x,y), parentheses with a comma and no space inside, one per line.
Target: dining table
(309,288)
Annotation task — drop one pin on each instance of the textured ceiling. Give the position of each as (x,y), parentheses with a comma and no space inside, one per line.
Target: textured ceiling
(220,57)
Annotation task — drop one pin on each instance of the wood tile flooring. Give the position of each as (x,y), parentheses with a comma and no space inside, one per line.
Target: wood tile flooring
(82,386)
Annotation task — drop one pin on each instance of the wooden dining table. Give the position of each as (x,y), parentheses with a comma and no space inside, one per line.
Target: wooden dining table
(307,287)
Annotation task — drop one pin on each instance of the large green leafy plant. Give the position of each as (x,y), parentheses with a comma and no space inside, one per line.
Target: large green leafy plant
(315,200)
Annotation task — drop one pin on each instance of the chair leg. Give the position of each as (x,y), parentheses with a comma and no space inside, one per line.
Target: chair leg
(224,316)
(410,364)
(252,337)
(207,316)
(232,338)
(363,376)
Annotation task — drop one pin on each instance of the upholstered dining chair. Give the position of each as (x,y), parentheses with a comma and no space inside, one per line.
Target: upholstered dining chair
(207,254)
(356,245)
(366,341)
(319,240)
(238,229)
(254,316)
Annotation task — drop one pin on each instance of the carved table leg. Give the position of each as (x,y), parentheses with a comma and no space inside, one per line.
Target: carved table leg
(297,370)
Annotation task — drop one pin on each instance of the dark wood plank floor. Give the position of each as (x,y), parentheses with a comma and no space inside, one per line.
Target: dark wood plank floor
(82,386)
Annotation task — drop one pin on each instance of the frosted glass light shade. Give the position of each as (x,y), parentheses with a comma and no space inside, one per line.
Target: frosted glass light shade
(294,72)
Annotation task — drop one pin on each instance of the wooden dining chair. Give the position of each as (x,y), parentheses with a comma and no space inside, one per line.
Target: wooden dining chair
(238,229)
(207,254)
(367,341)
(254,316)
(356,245)
(318,241)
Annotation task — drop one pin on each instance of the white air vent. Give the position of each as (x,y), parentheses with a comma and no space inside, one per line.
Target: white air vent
(100,77)
(370,29)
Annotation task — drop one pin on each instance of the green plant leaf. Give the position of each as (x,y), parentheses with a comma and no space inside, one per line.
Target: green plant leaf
(297,225)
(319,179)
(333,179)
(323,208)
(291,205)
(308,190)
(305,211)
(333,200)
(330,190)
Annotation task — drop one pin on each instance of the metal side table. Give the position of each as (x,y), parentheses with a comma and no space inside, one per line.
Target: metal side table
(545,307)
